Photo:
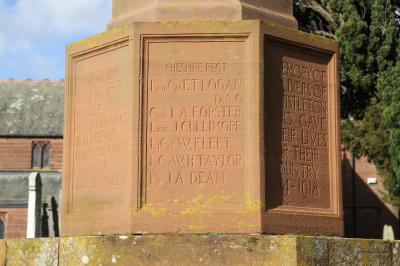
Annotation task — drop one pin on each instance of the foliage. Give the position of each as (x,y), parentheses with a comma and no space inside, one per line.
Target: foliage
(368,31)
(389,92)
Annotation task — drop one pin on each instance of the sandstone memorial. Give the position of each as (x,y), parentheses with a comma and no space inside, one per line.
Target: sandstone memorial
(202,116)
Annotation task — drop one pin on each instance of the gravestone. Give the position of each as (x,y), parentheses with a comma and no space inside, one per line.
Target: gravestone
(34,225)
(388,233)
(201,126)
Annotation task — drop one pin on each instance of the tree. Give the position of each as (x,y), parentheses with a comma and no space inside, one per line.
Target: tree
(368,31)
(389,91)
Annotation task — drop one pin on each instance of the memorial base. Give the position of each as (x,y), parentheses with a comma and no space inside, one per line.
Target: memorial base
(202,126)
(199,250)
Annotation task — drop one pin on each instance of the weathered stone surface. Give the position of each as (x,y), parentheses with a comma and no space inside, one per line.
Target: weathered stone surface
(396,252)
(179,250)
(312,251)
(2,252)
(211,249)
(360,252)
(127,11)
(302,177)
(182,125)
(32,251)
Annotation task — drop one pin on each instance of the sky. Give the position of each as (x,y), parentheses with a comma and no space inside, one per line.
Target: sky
(34,33)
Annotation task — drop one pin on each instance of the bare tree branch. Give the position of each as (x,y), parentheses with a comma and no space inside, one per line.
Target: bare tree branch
(325,34)
(316,7)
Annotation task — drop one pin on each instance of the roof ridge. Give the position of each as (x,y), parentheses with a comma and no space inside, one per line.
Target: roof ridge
(31,81)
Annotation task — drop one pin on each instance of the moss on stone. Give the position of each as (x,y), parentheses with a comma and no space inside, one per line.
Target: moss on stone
(344,251)
(396,252)
(178,250)
(97,39)
(211,26)
(312,251)
(216,249)
(42,251)
(2,252)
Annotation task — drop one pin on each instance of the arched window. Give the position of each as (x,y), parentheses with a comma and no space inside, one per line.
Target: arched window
(36,155)
(46,155)
(1,229)
(40,154)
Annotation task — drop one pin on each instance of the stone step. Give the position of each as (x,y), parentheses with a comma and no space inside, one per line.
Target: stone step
(209,249)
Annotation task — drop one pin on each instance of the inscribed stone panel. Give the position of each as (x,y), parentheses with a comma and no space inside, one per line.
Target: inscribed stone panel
(194,126)
(297,139)
(100,129)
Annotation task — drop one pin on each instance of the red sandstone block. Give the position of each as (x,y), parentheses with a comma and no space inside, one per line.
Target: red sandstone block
(147,159)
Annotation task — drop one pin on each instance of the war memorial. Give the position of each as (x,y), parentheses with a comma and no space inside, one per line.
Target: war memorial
(214,122)
(202,133)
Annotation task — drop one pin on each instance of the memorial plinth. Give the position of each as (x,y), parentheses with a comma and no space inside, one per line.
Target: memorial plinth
(202,126)
(199,250)
(126,11)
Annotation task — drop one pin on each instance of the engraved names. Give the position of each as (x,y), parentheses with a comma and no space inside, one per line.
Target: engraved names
(99,130)
(195,121)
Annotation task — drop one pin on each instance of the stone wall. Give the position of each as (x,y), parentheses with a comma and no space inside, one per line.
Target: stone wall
(199,250)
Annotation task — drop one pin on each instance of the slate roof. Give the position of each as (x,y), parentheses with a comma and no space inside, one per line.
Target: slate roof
(14,188)
(31,108)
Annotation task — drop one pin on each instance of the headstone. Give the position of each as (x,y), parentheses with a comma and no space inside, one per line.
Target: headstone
(202,126)
(388,233)
(34,206)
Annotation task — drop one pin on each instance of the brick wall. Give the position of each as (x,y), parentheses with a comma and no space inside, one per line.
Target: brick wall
(16,153)
(56,153)
(15,221)
(365,208)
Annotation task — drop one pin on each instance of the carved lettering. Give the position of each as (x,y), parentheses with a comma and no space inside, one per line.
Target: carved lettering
(304,133)
(195,120)
(296,126)
(98,127)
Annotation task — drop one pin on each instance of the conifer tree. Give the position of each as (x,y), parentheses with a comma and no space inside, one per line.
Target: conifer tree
(368,32)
